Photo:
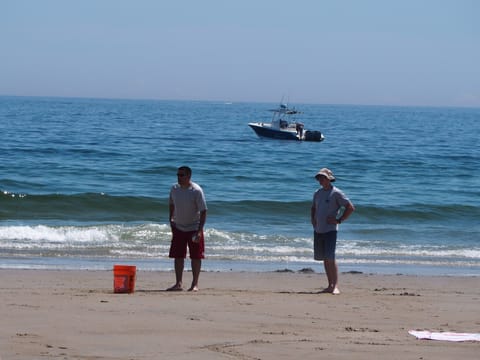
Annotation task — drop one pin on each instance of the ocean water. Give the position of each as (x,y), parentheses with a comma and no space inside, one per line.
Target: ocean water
(84,184)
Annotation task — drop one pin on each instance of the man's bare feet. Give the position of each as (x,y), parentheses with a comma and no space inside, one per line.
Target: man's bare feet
(330,290)
(176,287)
(193,288)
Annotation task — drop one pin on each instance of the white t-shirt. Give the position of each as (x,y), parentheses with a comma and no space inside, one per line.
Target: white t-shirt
(188,203)
(328,203)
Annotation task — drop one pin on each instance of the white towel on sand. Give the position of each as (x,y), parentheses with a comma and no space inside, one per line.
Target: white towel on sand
(446,336)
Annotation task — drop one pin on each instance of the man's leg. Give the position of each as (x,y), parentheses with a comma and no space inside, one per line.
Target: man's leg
(179,264)
(331,269)
(196,268)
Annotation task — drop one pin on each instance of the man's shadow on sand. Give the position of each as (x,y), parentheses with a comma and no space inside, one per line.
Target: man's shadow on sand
(319,292)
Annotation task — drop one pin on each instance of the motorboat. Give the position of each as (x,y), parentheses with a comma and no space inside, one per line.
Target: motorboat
(284,126)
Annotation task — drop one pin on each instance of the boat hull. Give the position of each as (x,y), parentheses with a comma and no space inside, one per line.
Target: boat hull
(263,130)
(273,133)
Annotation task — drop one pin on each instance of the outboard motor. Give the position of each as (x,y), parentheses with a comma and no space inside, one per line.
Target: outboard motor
(313,135)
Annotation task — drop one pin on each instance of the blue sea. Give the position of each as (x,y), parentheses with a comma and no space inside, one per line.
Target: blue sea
(84,184)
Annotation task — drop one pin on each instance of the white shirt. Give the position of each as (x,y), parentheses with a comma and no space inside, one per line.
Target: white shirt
(188,204)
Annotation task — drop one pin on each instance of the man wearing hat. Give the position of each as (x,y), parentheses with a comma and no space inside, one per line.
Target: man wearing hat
(330,208)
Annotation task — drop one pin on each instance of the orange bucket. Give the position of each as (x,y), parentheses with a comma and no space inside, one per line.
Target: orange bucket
(124,278)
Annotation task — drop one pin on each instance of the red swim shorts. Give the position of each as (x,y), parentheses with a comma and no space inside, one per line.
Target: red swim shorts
(180,240)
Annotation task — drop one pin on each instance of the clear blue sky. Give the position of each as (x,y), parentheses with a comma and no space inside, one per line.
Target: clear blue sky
(408,52)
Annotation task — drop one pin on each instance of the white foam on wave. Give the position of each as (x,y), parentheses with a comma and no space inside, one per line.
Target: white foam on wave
(353,249)
(153,240)
(62,234)
(108,234)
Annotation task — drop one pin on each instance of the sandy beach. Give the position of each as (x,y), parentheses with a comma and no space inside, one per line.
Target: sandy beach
(238,315)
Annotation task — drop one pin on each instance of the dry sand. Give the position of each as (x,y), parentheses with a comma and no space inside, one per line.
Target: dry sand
(245,316)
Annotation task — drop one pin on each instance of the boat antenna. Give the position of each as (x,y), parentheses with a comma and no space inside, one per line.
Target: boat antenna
(282,102)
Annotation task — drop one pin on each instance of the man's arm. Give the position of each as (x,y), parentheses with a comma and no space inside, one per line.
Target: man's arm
(171,211)
(349,209)
(312,215)
(203,218)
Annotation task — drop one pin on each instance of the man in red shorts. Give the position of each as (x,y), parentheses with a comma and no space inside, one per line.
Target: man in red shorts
(188,212)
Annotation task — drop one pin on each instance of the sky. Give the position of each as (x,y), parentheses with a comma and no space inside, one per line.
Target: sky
(366,52)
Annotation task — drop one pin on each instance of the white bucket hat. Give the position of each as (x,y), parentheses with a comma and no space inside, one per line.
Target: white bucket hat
(327,173)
